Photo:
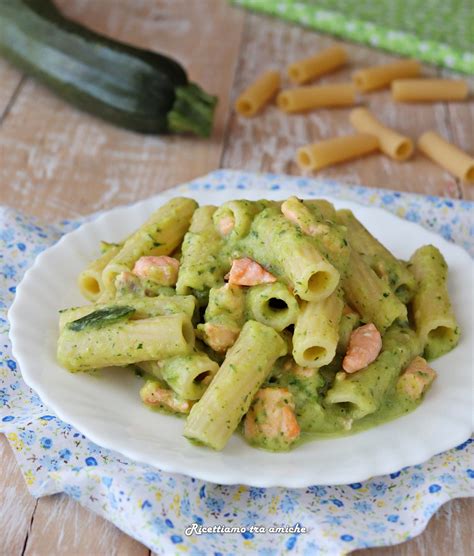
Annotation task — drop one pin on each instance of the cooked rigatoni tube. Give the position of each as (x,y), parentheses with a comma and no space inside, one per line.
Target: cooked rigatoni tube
(160,235)
(261,92)
(92,346)
(272,304)
(329,237)
(380,259)
(202,265)
(378,77)
(217,414)
(233,219)
(429,90)
(224,317)
(362,393)
(448,156)
(434,317)
(278,246)
(324,210)
(317,331)
(145,307)
(324,62)
(371,296)
(90,279)
(332,151)
(187,375)
(393,144)
(349,321)
(302,99)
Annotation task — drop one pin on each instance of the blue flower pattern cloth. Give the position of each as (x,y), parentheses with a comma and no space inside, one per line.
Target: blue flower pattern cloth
(156,507)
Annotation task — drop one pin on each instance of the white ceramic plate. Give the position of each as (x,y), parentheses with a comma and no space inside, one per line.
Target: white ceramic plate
(108,409)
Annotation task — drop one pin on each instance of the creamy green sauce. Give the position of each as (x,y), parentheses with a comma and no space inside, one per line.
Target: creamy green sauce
(320,421)
(393,407)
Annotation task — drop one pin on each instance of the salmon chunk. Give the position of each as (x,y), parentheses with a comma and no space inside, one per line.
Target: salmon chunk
(247,272)
(226,225)
(364,347)
(218,336)
(271,419)
(153,394)
(162,270)
(416,379)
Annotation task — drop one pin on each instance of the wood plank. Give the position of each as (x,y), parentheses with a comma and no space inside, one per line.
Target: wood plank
(16,504)
(269,141)
(461,128)
(449,532)
(10,80)
(62,163)
(75,531)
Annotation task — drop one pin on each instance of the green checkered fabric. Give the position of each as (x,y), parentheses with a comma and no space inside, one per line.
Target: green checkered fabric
(440,32)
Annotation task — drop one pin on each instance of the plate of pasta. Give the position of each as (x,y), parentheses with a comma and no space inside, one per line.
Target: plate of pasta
(268,341)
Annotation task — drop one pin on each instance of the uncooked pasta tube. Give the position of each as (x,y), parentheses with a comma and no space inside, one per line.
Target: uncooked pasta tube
(392,143)
(338,149)
(447,155)
(378,77)
(301,99)
(254,98)
(326,61)
(429,90)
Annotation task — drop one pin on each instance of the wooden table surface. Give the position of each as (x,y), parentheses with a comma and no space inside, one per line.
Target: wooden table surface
(56,162)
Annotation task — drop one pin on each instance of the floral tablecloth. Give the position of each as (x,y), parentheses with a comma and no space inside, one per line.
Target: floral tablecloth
(168,512)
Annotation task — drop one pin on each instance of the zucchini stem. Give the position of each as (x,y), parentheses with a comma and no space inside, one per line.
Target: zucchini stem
(192,111)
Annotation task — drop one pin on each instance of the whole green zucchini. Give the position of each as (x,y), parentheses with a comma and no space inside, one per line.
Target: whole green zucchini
(128,86)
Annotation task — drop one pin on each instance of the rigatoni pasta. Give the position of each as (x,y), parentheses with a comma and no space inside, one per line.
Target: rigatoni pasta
(294,259)
(392,143)
(247,364)
(272,304)
(447,155)
(380,259)
(317,331)
(434,317)
(429,90)
(90,280)
(276,319)
(302,99)
(160,235)
(339,149)
(124,342)
(371,296)
(378,77)
(324,62)
(257,95)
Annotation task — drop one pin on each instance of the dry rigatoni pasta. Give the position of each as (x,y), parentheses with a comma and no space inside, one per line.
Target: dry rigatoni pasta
(338,149)
(378,77)
(429,90)
(447,155)
(257,95)
(302,99)
(324,62)
(393,144)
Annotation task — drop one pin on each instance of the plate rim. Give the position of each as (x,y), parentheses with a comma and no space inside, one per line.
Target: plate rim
(380,467)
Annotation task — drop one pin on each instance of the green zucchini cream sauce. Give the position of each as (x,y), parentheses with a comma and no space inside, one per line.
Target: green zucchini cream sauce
(319,421)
